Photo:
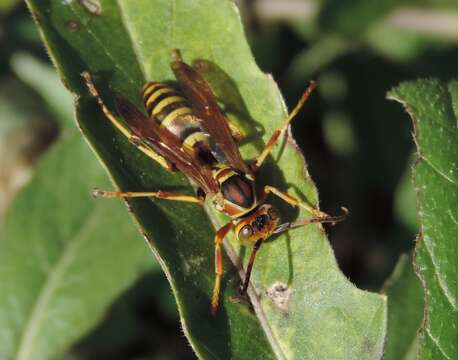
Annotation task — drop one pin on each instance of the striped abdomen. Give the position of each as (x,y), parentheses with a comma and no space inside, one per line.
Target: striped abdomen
(173,112)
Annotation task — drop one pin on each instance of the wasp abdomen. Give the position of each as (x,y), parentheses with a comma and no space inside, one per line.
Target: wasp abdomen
(172,111)
(164,102)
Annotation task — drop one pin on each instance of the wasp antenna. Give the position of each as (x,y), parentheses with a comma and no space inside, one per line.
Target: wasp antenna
(326,219)
(332,219)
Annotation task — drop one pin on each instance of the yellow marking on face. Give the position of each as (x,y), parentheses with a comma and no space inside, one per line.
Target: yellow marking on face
(156,94)
(167,101)
(175,114)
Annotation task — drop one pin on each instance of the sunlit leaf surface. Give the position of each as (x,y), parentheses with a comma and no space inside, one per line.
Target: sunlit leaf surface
(433,107)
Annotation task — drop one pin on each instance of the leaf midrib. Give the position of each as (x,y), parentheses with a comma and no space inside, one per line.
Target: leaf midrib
(28,338)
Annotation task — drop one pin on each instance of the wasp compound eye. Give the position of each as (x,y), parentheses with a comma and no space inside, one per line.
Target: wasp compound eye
(245,232)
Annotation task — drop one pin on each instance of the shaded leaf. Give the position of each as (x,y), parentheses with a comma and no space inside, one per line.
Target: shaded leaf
(42,78)
(25,132)
(433,107)
(354,17)
(405,311)
(405,199)
(64,257)
(7,5)
(320,314)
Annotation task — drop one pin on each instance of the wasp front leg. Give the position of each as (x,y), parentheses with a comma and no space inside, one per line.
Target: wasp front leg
(219,237)
(134,139)
(256,247)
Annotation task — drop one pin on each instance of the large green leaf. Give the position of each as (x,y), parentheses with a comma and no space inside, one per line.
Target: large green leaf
(433,107)
(63,256)
(304,307)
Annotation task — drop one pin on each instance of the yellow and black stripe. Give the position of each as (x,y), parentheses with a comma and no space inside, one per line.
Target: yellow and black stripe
(172,111)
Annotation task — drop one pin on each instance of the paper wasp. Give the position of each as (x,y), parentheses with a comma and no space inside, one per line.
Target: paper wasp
(186,131)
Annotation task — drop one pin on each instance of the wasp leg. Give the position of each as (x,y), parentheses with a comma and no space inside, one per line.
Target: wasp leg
(256,247)
(135,140)
(276,134)
(237,134)
(219,237)
(294,202)
(158,194)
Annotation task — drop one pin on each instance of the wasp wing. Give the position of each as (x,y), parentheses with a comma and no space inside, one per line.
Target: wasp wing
(165,144)
(199,93)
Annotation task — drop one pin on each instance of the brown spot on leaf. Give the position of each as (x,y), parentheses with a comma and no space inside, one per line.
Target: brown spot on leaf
(72,26)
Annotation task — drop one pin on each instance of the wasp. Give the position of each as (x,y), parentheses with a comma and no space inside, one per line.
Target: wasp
(185,130)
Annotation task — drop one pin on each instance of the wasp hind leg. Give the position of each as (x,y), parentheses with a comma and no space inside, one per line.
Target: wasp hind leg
(134,139)
(236,133)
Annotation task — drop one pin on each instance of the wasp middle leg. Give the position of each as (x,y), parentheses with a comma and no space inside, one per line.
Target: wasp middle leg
(156,194)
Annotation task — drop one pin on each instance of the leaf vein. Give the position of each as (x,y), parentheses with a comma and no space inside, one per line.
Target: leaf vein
(440,173)
(436,342)
(440,282)
(25,347)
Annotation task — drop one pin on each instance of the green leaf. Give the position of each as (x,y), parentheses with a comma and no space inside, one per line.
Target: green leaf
(405,311)
(405,199)
(42,78)
(64,257)
(7,5)
(433,107)
(354,17)
(13,116)
(304,306)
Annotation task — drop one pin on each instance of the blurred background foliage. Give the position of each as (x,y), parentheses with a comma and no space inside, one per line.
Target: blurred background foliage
(357,144)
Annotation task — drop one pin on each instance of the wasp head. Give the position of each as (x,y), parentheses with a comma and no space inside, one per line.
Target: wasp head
(259,224)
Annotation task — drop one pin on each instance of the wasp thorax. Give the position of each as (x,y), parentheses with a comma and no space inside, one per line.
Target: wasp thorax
(260,224)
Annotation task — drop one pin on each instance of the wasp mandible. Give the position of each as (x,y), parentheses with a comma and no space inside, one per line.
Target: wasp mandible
(187,131)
